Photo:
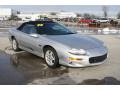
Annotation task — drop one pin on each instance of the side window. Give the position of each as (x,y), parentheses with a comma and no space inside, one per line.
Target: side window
(33,29)
(21,27)
(28,29)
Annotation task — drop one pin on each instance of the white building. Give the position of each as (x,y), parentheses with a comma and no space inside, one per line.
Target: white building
(5,13)
(28,16)
(33,16)
(66,15)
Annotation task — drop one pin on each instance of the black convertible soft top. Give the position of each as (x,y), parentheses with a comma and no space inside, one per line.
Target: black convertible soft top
(34,23)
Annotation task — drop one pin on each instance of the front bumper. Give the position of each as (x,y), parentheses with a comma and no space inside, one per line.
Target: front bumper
(96,56)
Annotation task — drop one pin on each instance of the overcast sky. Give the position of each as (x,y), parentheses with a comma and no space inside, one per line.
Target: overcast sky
(94,9)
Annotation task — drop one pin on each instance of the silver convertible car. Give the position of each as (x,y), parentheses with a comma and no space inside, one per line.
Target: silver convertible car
(57,44)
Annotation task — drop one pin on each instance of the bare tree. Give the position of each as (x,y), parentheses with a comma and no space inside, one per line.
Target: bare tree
(18,12)
(94,16)
(79,15)
(105,11)
(86,15)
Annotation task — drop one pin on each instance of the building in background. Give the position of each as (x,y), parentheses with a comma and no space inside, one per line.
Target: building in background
(6,13)
(66,15)
(28,16)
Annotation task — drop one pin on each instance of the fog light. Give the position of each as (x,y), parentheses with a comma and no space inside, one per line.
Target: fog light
(74,59)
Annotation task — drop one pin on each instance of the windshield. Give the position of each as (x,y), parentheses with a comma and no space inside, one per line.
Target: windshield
(52,29)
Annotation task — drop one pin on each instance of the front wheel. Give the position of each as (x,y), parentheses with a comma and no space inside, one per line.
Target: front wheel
(51,57)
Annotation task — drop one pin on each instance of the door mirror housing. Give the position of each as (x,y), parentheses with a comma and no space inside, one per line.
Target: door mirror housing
(34,35)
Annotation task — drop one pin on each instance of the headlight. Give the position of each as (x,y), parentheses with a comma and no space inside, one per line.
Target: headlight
(77,52)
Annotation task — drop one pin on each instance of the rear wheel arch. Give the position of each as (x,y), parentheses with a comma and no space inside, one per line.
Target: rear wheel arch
(12,37)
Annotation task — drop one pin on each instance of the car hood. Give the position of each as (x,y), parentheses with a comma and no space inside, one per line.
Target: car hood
(76,41)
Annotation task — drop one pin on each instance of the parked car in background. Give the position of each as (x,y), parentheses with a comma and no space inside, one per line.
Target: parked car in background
(113,22)
(102,20)
(26,19)
(118,20)
(84,20)
(57,44)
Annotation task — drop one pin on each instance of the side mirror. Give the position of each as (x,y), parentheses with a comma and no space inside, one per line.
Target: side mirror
(34,35)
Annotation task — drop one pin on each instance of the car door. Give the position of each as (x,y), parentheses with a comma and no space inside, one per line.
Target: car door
(27,41)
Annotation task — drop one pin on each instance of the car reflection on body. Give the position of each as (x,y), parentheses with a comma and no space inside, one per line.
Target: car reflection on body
(57,44)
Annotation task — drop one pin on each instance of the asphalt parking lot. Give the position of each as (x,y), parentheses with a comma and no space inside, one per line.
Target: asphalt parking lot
(25,68)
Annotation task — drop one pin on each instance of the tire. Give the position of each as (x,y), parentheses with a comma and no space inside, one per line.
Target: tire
(51,57)
(15,45)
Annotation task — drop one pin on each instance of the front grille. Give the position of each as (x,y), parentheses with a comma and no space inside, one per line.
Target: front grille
(97,59)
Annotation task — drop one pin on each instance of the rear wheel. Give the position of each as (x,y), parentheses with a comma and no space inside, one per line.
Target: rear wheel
(15,45)
(51,57)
